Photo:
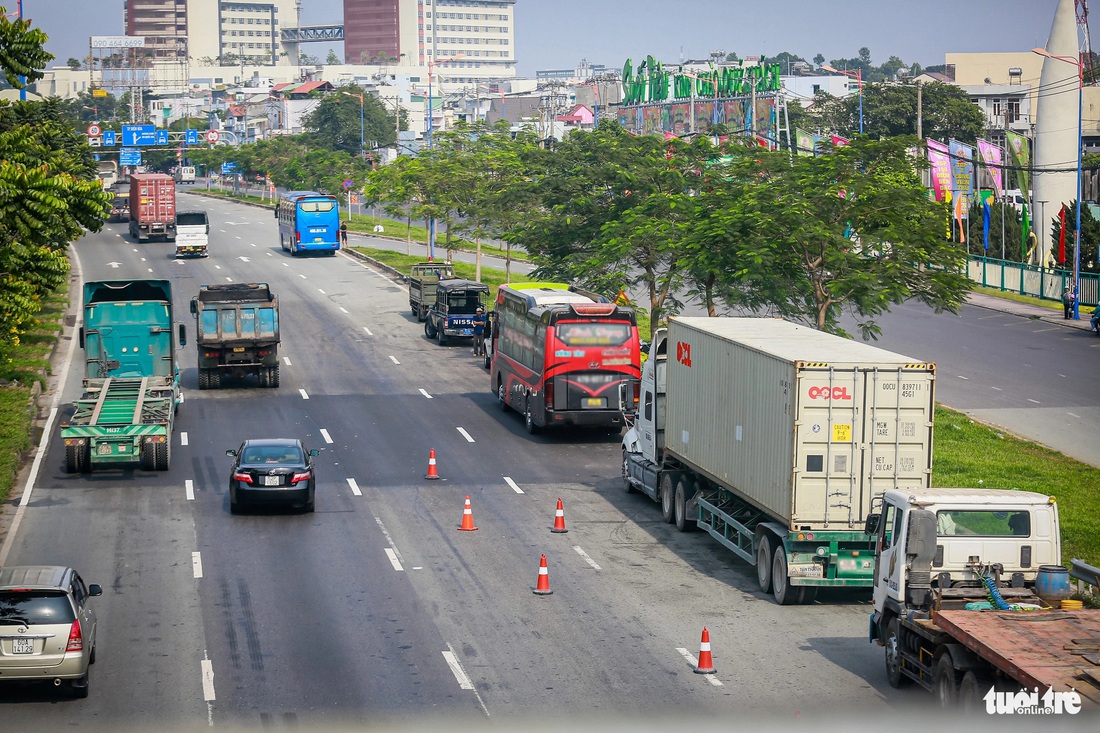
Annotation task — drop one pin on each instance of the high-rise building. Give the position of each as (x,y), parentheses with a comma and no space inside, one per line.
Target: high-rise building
(162,23)
(473,40)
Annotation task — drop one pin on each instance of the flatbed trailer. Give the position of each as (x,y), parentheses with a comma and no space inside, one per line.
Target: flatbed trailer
(121,421)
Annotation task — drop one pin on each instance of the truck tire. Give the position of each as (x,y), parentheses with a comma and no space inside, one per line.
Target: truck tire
(680,502)
(215,379)
(974,686)
(204,378)
(667,497)
(263,377)
(148,461)
(945,683)
(764,562)
(784,593)
(162,455)
(429,329)
(78,459)
(273,377)
(421,313)
(626,473)
(891,642)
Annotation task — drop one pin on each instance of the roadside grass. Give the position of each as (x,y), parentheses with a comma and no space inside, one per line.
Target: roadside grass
(1029,299)
(969,454)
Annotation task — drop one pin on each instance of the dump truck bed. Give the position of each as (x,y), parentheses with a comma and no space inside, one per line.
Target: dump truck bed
(1055,649)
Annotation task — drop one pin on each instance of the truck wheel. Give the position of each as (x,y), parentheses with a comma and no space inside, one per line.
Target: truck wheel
(263,377)
(148,457)
(974,686)
(204,379)
(764,563)
(215,379)
(421,313)
(162,455)
(273,379)
(626,473)
(892,644)
(668,511)
(784,593)
(682,522)
(944,682)
(528,420)
(429,329)
(76,459)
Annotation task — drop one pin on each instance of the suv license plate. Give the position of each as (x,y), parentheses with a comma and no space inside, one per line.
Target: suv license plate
(22,646)
(273,480)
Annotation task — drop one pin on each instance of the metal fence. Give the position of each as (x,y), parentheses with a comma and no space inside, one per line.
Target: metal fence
(1039,282)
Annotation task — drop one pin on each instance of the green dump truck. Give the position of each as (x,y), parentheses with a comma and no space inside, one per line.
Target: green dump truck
(131,380)
(237,327)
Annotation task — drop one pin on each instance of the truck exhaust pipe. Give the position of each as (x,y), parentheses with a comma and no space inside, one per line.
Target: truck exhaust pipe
(57,682)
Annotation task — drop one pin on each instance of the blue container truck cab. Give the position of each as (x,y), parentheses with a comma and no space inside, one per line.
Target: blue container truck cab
(131,391)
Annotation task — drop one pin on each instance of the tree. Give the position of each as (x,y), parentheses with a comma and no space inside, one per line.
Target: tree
(889,110)
(332,59)
(73,63)
(335,122)
(819,59)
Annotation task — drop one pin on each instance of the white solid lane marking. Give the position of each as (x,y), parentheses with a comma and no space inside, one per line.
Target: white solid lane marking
(183,438)
(342,308)
(587,559)
(189,489)
(354,487)
(997,388)
(425,393)
(286,360)
(322,292)
(368,331)
(1035,401)
(964,378)
(394,560)
(457,671)
(713,679)
(208,680)
(196,563)
(303,393)
(467,436)
(394,359)
(1072,415)
(508,480)
(325,435)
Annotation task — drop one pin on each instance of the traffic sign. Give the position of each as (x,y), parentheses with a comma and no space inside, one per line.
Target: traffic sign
(212,136)
(109,138)
(129,157)
(191,137)
(93,130)
(134,135)
(161,137)
(348,183)
(230,168)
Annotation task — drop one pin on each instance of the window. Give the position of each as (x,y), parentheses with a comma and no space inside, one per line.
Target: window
(319,205)
(593,334)
(37,607)
(962,523)
(888,530)
(648,405)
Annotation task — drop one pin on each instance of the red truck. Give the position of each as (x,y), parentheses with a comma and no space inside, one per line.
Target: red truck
(152,207)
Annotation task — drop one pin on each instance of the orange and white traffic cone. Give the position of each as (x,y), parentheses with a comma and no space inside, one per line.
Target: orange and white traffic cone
(467,517)
(559,519)
(542,588)
(706,664)
(433,473)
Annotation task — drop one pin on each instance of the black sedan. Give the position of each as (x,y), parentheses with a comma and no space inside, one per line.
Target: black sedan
(272,471)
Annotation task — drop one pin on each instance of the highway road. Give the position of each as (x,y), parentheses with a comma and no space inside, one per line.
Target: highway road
(375,610)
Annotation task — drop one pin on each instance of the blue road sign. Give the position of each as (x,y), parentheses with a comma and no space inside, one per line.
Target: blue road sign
(129,157)
(230,168)
(109,138)
(133,135)
(95,155)
(191,137)
(162,137)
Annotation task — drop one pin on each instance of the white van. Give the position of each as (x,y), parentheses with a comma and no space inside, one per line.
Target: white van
(1015,198)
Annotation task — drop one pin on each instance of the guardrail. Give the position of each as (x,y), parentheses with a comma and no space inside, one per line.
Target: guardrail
(1084,573)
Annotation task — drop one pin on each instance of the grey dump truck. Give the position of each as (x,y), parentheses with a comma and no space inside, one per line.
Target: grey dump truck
(423,280)
(238,333)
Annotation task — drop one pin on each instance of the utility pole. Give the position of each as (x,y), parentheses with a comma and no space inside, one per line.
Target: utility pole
(920,119)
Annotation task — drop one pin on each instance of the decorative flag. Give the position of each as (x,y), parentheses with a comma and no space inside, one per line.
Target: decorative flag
(1019,153)
(1026,230)
(1062,235)
(804,142)
(940,160)
(838,140)
(993,158)
(961,218)
(962,175)
(985,222)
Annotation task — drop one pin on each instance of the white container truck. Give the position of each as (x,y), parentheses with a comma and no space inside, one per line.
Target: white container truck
(775,438)
(192,233)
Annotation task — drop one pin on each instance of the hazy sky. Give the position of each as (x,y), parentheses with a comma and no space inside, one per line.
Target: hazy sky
(559,33)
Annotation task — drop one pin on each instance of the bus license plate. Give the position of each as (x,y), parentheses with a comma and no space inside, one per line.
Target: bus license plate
(595,402)
(22,646)
(804,570)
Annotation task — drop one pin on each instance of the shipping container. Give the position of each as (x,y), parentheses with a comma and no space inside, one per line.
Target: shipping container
(152,207)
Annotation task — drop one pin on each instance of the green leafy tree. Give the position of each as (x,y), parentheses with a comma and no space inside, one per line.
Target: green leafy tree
(890,110)
(335,122)
(332,59)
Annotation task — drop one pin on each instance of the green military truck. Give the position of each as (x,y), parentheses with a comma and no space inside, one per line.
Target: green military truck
(131,380)
(423,280)
(237,333)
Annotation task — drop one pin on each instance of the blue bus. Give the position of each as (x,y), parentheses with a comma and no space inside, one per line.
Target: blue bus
(308,222)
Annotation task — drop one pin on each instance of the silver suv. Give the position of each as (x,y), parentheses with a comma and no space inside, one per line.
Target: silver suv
(47,628)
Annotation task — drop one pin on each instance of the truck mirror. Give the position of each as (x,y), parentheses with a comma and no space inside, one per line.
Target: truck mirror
(871,526)
(194,307)
(183,335)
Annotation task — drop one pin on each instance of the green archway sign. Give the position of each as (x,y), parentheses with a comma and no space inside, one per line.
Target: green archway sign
(651,84)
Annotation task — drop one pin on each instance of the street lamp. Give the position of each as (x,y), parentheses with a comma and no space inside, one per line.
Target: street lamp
(362,124)
(1076,61)
(858,76)
(92,108)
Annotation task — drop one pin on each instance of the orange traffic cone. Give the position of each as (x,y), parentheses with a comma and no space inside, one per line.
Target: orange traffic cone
(706,664)
(433,473)
(467,517)
(543,586)
(559,519)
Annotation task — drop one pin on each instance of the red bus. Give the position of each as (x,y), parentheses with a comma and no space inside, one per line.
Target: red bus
(559,355)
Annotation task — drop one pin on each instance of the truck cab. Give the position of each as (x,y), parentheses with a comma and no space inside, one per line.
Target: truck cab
(452,312)
(192,234)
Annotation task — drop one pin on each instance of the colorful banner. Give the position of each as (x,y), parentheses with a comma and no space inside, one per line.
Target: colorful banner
(838,140)
(804,142)
(1019,153)
(992,157)
(939,158)
(962,176)
(985,222)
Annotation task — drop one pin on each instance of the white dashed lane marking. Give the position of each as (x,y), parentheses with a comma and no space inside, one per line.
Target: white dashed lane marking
(394,359)
(325,435)
(515,487)
(286,360)
(183,438)
(394,560)
(425,393)
(196,564)
(469,438)
(354,487)
(587,559)
(303,393)
(695,663)
(189,489)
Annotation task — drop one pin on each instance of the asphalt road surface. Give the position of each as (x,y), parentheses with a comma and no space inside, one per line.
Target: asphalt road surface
(375,610)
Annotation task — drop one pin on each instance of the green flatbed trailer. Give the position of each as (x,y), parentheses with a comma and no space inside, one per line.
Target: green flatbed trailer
(120,422)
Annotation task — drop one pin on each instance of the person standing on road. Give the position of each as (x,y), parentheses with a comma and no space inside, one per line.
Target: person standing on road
(1067,303)
(479,332)
(344,234)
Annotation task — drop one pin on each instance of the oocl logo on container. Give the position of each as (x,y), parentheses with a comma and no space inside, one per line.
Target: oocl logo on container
(829,393)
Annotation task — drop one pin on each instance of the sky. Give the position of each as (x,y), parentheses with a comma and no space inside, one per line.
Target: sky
(556,34)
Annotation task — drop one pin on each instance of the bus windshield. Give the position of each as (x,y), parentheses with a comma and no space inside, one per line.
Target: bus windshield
(317,205)
(594,334)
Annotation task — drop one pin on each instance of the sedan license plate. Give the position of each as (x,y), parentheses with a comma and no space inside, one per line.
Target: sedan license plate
(595,402)
(22,646)
(273,480)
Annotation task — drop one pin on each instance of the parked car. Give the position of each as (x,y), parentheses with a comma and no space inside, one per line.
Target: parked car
(47,627)
(272,471)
